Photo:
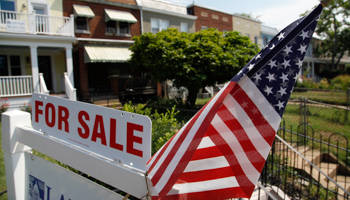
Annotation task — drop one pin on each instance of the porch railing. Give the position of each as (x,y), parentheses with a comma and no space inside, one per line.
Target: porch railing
(15,86)
(42,85)
(32,23)
(70,91)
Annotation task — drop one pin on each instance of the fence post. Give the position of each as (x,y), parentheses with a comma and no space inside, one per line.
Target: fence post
(347,105)
(14,152)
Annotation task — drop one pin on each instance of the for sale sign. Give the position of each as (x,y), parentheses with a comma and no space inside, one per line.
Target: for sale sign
(114,134)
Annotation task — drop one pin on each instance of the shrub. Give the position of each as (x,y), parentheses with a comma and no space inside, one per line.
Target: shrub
(164,125)
(26,108)
(4,105)
(341,82)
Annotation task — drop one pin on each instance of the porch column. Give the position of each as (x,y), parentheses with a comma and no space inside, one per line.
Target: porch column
(35,67)
(69,60)
(313,69)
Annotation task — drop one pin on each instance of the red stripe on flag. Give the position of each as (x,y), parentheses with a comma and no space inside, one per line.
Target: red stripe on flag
(232,123)
(205,175)
(264,128)
(195,142)
(242,179)
(209,152)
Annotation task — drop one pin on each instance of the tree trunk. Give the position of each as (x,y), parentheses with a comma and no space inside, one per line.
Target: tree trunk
(192,96)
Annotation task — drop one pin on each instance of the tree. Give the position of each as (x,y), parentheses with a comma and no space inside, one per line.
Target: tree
(334,27)
(192,60)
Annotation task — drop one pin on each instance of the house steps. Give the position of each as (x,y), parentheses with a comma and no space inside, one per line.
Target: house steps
(331,169)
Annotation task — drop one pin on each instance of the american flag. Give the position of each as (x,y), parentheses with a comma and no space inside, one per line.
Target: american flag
(221,151)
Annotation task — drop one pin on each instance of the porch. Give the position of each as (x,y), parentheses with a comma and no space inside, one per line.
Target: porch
(17,90)
(32,23)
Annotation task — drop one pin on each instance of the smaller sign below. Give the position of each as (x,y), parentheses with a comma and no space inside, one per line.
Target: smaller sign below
(13,25)
(48,181)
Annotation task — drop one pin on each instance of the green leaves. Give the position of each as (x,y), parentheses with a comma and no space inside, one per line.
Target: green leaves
(193,60)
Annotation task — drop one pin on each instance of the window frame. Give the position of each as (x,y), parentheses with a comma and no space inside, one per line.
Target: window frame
(117,27)
(87,21)
(160,21)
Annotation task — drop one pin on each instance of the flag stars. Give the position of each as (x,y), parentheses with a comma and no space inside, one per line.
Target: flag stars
(304,34)
(280,104)
(302,49)
(272,47)
(288,50)
(255,111)
(282,91)
(257,77)
(286,63)
(271,77)
(272,63)
(280,36)
(284,77)
(268,90)
(258,56)
(244,104)
(251,66)
(299,63)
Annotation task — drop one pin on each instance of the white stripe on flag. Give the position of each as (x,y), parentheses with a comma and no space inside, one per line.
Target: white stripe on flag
(205,164)
(216,184)
(253,134)
(249,170)
(205,143)
(184,146)
(261,102)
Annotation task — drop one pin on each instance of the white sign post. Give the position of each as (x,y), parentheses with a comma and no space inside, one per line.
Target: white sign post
(110,145)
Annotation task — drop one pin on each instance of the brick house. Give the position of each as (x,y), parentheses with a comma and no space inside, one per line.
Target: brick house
(210,18)
(104,32)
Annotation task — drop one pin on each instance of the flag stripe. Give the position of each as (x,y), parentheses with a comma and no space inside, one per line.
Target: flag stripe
(197,176)
(253,155)
(257,140)
(264,106)
(206,164)
(209,152)
(179,159)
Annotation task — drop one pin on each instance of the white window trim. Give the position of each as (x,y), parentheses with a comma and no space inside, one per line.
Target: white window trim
(32,3)
(186,24)
(117,30)
(160,21)
(83,31)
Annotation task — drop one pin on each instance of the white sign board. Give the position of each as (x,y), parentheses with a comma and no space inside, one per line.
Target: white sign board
(114,134)
(47,181)
(13,25)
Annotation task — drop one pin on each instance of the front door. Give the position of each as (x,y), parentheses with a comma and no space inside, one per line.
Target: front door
(45,68)
(41,20)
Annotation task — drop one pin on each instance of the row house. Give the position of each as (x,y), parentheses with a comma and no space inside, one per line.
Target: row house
(159,15)
(104,31)
(36,43)
(247,27)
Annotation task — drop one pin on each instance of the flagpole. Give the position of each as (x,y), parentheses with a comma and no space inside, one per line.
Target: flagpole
(325,2)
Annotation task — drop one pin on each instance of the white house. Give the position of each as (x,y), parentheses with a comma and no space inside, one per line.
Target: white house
(35,50)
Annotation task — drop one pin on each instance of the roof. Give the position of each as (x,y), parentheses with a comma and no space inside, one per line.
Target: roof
(269,30)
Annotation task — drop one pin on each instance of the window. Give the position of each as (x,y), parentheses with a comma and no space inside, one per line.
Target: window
(7,5)
(204,27)
(119,28)
(266,40)
(256,40)
(13,68)
(204,14)
(158,25)
(225,19)
(82,24)
(184,27)
(215,16)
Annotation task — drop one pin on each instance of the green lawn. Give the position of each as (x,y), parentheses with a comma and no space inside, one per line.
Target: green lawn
(2,172)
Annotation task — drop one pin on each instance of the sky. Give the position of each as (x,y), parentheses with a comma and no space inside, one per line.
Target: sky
(273,13)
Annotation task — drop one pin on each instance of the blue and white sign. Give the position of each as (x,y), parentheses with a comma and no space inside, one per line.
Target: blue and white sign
(48,181)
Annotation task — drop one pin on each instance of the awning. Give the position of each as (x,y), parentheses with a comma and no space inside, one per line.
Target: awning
(95,54)
(83,11)
(120,16)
